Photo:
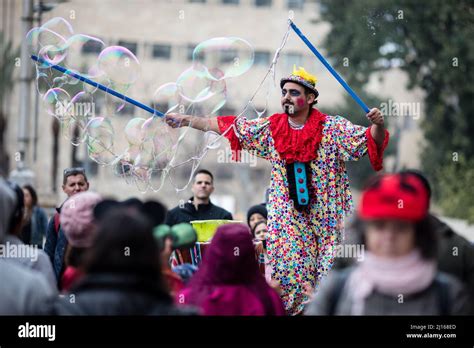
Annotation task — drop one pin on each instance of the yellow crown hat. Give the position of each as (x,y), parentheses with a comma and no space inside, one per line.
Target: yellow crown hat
(302,77)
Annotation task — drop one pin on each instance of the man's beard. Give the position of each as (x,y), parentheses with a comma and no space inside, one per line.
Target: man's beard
(289,109)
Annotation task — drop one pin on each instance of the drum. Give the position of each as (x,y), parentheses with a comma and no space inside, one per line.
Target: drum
(192,255)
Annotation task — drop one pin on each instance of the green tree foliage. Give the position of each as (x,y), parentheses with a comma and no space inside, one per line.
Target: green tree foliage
(432,42)
(457,182)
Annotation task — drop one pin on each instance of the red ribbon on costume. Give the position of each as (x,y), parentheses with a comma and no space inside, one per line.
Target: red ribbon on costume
(297,145)
(375,151)
(224,123)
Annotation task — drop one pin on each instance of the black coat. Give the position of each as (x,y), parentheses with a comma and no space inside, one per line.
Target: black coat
(456,255)
(189,213)
(116,294)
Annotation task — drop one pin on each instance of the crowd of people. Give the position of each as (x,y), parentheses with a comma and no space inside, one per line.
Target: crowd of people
(107,257)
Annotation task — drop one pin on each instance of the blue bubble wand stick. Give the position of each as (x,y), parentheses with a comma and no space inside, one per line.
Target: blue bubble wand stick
(160,114)
(329,67)
(99,86)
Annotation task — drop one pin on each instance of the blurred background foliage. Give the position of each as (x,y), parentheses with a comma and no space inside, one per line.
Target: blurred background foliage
(432,42)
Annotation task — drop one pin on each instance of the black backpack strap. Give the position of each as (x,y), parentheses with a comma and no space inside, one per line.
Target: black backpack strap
(442,292)
(340,280)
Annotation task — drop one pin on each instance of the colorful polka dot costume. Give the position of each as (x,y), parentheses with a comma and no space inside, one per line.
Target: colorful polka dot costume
(301,244)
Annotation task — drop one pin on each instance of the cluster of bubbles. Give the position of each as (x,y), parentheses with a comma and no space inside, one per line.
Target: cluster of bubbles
(146,150)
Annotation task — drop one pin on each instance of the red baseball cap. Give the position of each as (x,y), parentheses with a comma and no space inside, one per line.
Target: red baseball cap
(395,196)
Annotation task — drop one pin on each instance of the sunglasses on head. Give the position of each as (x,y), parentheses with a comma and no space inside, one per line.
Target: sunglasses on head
(76,170)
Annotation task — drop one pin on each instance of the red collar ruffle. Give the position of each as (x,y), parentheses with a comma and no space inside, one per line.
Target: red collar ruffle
(297,145)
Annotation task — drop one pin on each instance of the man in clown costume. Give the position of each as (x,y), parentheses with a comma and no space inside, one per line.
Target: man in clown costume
(309,189)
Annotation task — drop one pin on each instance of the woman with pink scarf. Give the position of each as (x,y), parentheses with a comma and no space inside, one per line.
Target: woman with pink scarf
(229,281)
(397,274)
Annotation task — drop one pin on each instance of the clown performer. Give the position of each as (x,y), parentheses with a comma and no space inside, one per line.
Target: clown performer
(309,189)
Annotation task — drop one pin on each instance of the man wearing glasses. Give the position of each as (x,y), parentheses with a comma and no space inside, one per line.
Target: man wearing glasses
(74,181)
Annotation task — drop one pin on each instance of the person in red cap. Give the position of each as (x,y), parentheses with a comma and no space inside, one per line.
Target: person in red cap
(398,274)
(309,191)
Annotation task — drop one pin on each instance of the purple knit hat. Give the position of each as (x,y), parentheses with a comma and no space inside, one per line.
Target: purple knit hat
(77,218)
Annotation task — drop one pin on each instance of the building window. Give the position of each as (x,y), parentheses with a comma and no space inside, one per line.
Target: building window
(92,47)
(99,104)
(190,51)
(228,56)
(164,106)
(230,2)
(293,58)
(161,51)
(131,46)
(224,172)
(256,174)
(227,111)
(251,113)
(263,3)
(262,58)
(92,167)
(127,110)
(295,4)
(97,109)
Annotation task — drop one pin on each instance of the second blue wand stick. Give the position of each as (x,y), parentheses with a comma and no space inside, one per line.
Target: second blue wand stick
(329,67)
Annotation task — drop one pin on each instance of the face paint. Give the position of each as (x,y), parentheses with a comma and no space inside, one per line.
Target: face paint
(300,102)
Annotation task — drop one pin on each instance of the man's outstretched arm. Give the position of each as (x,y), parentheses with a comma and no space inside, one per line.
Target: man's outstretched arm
(377,130)
(246,135)
(201,123)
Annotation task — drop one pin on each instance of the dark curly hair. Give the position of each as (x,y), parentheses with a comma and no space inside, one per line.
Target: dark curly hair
(316,95)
